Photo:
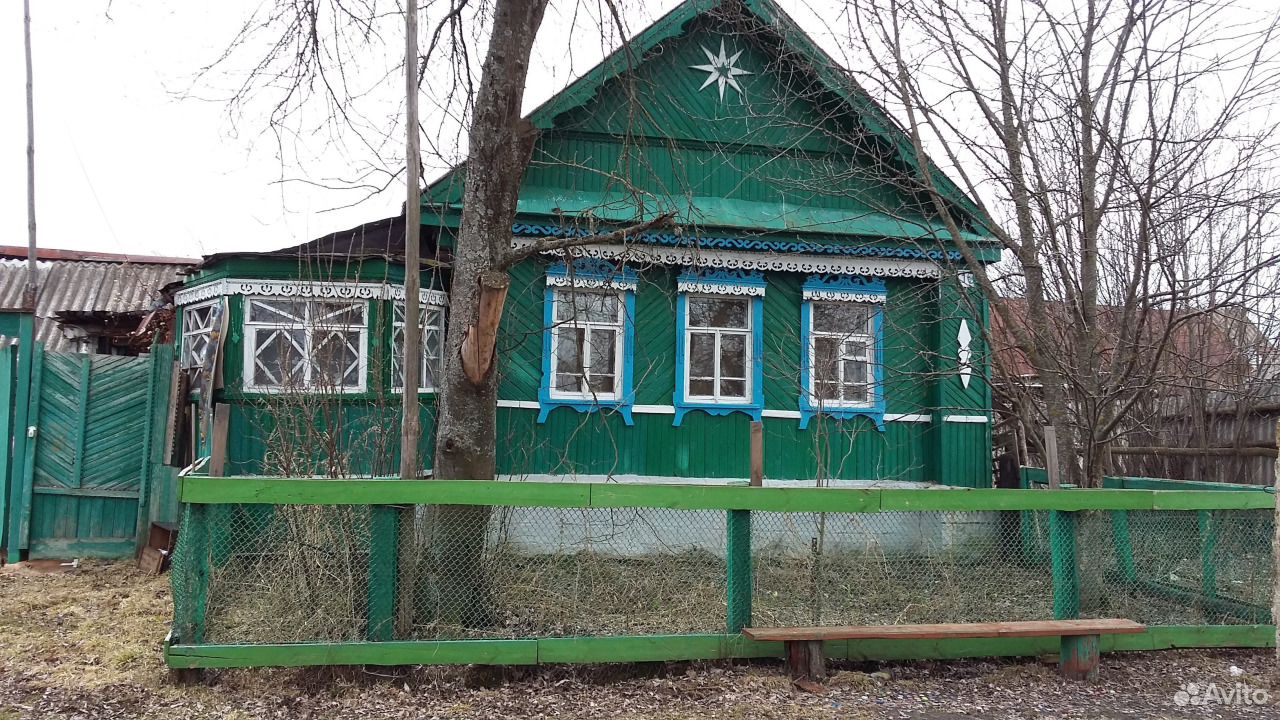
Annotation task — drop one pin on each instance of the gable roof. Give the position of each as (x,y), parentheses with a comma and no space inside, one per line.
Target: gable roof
(765,16)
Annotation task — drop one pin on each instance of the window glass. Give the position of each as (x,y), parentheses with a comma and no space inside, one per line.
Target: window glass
(305,344)
(586,338)
(718,334)
(842,341)
(197,326)
(431,319)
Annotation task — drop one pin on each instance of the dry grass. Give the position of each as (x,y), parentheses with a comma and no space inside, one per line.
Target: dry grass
(97,625)
(86,644)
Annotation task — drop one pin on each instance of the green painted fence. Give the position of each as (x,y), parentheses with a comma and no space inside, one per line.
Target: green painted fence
(284,571)
(88,436)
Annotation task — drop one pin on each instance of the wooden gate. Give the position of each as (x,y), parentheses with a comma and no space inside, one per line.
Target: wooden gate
(87,453)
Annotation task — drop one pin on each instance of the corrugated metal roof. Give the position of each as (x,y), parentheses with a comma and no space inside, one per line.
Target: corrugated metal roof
(83,287)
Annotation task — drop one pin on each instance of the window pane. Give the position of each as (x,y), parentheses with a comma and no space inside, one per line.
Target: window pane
(855,371)
(603,351)
(855,393)
(335,358)
(826,391)
(718,312)
(279,358)
(856,349)
(840,317)
(733,388)
(601,383)
(333,314)
(702,356)
(283,312)
(733,356)
(580,306)
(568,359)
(825,358)
(701,387)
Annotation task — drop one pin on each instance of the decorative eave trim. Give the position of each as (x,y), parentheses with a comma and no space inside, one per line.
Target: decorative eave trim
(304,289)
(748,244)
(591,273)
(797,263)
(722,282)
(845,288)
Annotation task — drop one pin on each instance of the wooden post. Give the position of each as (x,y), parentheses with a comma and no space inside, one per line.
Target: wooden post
(805,661)
(29,296)
(1078,659)
(757,453)
(739,576)
(381,590)
(1124,545)
(218,451)
(1275,554)
(1208,545)
(410,422)
(1051,456)
(1066,576)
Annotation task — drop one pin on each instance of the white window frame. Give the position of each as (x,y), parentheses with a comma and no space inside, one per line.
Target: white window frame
(397,329)
(748,335)
(619,344)
(251,345)
(187,333)
(870,342)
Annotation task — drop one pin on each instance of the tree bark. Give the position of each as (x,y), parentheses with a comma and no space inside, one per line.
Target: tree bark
(499,144)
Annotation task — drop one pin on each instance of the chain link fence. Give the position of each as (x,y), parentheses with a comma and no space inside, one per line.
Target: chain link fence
(260,573)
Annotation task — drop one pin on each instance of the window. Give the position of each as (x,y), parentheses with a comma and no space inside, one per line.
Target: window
(295,344)
(587,344)
(431,321)
(841,367)
(718,335)
(842,341)
(719,343)
(588,338)
(197,328)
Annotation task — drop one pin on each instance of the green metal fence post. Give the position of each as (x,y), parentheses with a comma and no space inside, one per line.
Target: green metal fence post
(193,539)
(384,534)
(1066,574)
(738,571)
(1208,529)
(1124,545)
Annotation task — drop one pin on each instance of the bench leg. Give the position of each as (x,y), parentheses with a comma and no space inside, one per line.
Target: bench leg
(804,660)
(1079,657)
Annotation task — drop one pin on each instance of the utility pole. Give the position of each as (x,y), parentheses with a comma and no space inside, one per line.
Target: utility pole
(410,425)
(29,296)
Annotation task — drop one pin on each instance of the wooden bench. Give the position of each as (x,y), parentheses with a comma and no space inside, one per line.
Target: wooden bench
(1077,661)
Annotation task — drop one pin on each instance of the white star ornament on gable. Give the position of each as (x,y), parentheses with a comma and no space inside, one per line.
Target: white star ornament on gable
(721,69)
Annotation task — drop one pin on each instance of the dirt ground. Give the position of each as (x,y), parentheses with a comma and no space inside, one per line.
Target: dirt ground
(85,643)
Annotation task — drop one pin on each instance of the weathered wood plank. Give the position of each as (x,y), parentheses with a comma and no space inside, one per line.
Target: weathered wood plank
(1035,628)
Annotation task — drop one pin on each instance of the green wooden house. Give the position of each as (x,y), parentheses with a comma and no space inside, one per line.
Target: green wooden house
(806,285)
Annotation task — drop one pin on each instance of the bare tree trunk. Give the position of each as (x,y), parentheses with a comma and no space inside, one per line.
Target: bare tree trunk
(500,143)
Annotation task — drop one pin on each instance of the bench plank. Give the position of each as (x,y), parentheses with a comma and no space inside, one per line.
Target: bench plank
(1036,628)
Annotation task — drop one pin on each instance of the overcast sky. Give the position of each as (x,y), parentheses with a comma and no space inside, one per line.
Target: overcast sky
(125,164)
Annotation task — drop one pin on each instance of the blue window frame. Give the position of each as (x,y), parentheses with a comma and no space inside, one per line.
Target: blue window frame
(842,341)
(588,345)
(719,343)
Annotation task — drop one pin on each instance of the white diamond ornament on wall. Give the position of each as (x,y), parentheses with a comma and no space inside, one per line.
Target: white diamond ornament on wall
(722,70)
(964,339)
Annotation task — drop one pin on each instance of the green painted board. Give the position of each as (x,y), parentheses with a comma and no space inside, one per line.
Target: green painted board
(718,497)
(1211,500)
(447,652)
(681,647)
(388,491)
